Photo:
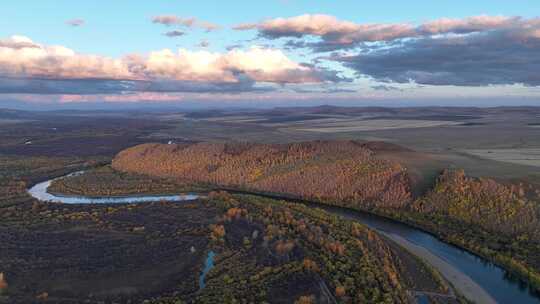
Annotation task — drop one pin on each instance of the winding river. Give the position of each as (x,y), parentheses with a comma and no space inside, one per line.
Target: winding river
(476,278)
(39,191)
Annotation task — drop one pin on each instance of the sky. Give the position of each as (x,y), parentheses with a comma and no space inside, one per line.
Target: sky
(277,52)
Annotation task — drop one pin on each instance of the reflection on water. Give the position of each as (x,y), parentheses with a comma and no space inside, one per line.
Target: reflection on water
(422,299)
(39,191)
(496,281)
(208,264)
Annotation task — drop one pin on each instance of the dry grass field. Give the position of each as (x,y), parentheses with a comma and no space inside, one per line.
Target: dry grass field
(443,137)
(352,125)
(10,121)
(527,156)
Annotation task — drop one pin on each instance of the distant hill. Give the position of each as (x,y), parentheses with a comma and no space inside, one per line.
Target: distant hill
(14,114)
(333,171)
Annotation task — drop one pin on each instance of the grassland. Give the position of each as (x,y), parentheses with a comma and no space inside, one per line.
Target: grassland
(522,156)
(348,125)
(464,129)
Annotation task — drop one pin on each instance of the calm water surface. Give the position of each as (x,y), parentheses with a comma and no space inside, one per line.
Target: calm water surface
(39,191)
(208,264)
(493,279)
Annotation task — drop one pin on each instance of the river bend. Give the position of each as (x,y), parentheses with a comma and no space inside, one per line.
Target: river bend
(474,277)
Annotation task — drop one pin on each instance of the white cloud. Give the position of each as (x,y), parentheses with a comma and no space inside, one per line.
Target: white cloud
(265,65)
(21,58)
(29,59)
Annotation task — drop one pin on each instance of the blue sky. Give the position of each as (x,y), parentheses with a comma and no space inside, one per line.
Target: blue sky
(114,29)
(121,26)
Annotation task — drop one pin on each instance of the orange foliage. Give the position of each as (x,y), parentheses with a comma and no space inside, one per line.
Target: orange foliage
(338,171)
(235,213)
(43,296)
(218,232)
(336,247)
(310,265)
(284,247)
(340,291)
(305,300)
(484,202)
(3,282)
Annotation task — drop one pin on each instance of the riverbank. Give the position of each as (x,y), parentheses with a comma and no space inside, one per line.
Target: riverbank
(465,285)
(266,250)
(515,270)
(39,191)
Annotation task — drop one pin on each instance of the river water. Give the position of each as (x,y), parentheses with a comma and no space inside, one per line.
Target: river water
(495,281)
(473,276)
(208,265)
(39,191)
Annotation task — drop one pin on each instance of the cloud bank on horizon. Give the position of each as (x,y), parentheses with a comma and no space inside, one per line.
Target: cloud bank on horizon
(474,51)
(28,67)
(294,55)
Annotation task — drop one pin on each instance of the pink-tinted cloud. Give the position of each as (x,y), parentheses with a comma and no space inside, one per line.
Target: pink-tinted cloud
(261,65)
(170,20)
(76,22)
(336,34)
(468,25)
(191,22)
(17,42)
(29,59)
(318,25)
(136,97)
(28,67)
(328,27)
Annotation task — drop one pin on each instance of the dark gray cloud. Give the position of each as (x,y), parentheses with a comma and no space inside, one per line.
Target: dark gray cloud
(327,74)
(107,86)
(385,88)
(190,22)
(497,57)
(244,85)
(64,86)
(89,86)
(170,20)
(174,33)
(324,90)
(203,44)
(234,46)
(325,33)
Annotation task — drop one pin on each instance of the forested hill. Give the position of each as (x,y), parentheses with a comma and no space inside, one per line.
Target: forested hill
(345,171)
